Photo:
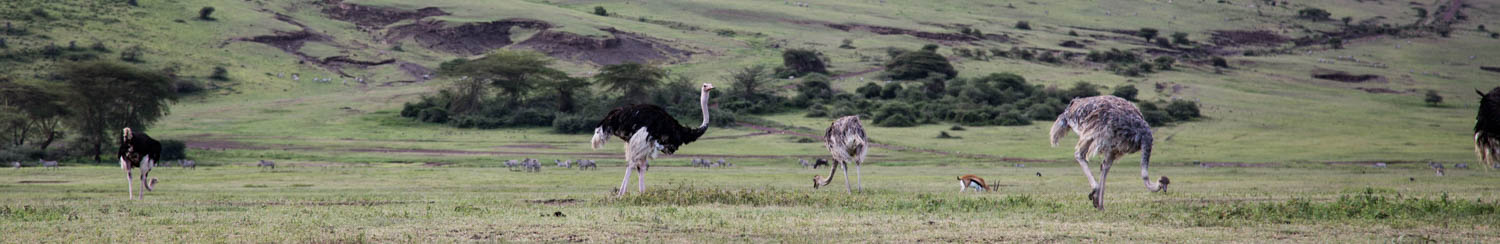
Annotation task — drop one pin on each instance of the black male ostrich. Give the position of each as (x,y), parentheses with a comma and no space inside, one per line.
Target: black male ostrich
(137,150)
(1487,129)
(647,130)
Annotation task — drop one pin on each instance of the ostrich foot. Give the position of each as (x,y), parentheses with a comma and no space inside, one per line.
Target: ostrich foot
(1094,198)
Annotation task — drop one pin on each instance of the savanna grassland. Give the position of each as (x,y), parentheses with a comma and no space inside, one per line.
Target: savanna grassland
(1292,154)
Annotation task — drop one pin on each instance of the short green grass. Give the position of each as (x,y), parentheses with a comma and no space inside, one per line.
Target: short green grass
(307,202)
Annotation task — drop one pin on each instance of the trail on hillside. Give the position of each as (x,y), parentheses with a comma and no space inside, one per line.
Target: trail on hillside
(902,148)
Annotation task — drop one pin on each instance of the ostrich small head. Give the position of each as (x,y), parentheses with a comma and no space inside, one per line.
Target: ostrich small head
(708,87)
(1164,182)
(151,186)
(818,181)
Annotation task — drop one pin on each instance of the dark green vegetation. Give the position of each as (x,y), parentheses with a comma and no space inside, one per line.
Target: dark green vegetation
(93,100)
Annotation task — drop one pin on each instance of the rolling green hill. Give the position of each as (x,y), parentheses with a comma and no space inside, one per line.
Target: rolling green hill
(1267,107)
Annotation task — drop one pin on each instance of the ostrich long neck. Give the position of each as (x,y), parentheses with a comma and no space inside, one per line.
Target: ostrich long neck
(703,101)
(829,179)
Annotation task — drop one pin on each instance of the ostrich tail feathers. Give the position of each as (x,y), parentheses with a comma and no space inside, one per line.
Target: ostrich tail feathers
(1059,129)
(599,138)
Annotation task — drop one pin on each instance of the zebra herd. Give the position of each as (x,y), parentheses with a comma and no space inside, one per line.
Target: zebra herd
(705,163)
(190,164)
(44,163)
(534,165)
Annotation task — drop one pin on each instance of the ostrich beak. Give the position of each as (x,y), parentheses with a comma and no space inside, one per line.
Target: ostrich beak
(708,87)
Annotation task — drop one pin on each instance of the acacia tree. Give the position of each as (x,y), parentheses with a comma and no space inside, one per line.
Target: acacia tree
(631,78)
(803,61)
(515,73)
(913,65)
(30,112)
(747,81)
(106,96)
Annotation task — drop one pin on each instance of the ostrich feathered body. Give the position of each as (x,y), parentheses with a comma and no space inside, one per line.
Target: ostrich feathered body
(137,145)
(1105,124)
(625,121)
(1487,128)
(846,140)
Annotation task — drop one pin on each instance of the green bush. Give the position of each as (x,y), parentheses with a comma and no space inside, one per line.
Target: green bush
(205,12)
(1183,110)
(1042,111)
(220,74)
(914,65)
(1023,25)
(173,150)
(1433,99)
(574,124)
(1181,38)
(1220,62)
(1315,14)
(433,115)
(599,10)
(1127,92)
(1147,33)
(870,90)
(1165,62)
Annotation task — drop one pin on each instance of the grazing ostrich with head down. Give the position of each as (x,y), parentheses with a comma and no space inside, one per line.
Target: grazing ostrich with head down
(1110,126)
(137,150)
(648,130)
(1487,129)
(846,140)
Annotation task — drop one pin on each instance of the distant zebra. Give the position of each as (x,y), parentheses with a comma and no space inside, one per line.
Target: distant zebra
(723,163)
(266,163)
(804,162)
(587,164)
(1380,165)
(512,164)
(566,164)
(533,165)
(49,164)
(1461,166)
(1436,167)
(190,164)
(15,164)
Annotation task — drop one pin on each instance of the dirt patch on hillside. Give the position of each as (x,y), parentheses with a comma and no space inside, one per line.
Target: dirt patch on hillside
(374,17)
(621,47)
(346,60)
(436,164)
(1378,90)
(41,182)
(1341,76)
(886,30)
(1231,38)
(288,42)
(465,39)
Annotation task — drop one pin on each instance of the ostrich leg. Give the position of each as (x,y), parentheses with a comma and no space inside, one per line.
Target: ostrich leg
(1109,161)
(626,182)
(847,189)
(640,177)
(857,175)
(1081,154)
(129,179)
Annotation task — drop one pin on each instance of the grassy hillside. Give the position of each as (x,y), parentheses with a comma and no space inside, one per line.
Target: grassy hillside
(1297,147)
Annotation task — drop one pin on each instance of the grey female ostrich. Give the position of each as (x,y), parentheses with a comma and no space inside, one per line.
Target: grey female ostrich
(1110,126)
(846,140)
(1487,129)
(137,150)
(647,129)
